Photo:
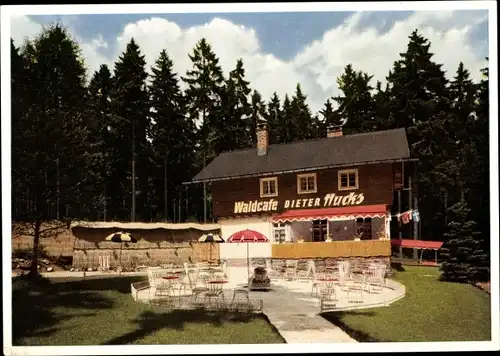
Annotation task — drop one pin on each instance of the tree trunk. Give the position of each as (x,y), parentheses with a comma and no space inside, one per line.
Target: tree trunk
(133,171)
(180,205)
(105,202)
(58,199)
(445,208)
(165,187)
(204,193)
(186,202)
(204,184)
(36,243)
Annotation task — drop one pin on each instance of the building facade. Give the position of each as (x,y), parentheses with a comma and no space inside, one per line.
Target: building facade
(310,197)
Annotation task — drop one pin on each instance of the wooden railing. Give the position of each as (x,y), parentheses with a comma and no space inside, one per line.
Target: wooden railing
(365,248)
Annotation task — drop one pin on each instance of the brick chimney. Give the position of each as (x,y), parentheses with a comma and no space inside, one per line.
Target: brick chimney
(334,131)
(262,132)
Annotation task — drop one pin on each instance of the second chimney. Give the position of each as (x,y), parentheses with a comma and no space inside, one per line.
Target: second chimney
(334,131)
(262,133)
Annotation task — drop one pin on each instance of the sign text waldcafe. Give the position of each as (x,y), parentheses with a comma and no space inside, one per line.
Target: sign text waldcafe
(328,200)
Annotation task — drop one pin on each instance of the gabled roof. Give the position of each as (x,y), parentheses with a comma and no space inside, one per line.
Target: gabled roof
(372,147)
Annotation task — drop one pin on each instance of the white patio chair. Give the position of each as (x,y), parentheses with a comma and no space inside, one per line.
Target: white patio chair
(214,292)
(375,280)
(344,272)
(104,262)
(317,283)
(308,273)
(291,269)
(198,285)
(327,292)
(271,272)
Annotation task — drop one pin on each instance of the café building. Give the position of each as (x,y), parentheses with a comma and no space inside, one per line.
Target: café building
(332,197)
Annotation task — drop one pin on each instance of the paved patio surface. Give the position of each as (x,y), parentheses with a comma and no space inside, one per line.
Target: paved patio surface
(289,305)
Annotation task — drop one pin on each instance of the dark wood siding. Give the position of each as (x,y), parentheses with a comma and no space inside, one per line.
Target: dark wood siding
(375,182)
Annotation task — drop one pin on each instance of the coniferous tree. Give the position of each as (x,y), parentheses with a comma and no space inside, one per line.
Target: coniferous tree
(131,107)
(258,111)
(52,162)
(301,117)
(102,139)
(205,89)
(419,102)
(287,127)
(237,124)
(480,196)
(383,118)
(464,260)
(356,106)
(330,118)
(170,133)
(275,120)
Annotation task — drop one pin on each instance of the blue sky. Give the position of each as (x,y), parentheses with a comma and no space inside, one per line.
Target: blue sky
(276,28)
(281,48)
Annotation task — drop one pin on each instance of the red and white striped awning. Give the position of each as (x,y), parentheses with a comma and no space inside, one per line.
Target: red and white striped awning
(344,213)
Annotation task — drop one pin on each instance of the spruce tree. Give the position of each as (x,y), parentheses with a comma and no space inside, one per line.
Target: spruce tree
(481,139)
(170,133)
(330,118)
(355,106)
(464,260)
(204,95)
(301,116)
(420,102)
(102,138)
(383,118)
(130,106)
(287,128)
(237,123)
(258,111)
(275,120)
(51,161)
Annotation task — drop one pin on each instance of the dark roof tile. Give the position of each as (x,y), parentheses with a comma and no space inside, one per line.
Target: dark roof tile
(310,154)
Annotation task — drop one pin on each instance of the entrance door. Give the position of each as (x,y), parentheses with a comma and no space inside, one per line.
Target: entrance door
(319,230)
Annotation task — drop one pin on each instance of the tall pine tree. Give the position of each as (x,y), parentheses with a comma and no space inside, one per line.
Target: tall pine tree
(258,108)
(131,108)
(170,133)
(51,161)
(275,120)
(205,89)
(237,124)
(301,117)
(102,139)
(355,106)
(419,102)
(330,117)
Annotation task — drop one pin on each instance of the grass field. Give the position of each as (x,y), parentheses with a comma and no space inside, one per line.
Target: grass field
(431,311)
(102,312)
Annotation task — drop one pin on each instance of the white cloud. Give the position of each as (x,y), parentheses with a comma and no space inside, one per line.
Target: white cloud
(22,28)
(316,66)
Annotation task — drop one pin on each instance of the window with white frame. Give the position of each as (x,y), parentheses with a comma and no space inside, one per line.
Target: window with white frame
(268,187)
(306,183)
(348,179)
(279,232)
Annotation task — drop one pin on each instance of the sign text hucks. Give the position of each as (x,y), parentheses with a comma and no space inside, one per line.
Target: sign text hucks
(329,200)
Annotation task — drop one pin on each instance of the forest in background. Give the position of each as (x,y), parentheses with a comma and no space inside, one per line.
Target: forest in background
(116,145)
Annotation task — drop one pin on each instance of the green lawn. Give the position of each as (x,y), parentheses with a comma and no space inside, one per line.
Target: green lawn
(102,312)
(431,311)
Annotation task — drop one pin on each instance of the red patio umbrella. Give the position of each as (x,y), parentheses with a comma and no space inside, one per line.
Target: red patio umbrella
(247,236)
